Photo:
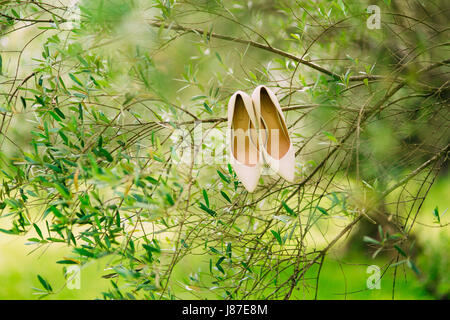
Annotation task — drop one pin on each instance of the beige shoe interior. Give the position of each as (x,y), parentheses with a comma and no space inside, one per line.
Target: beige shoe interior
(278,141)
(242,150)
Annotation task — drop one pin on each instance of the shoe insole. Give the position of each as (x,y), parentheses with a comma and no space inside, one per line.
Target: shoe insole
(242,150)
(254,135)
(277,140)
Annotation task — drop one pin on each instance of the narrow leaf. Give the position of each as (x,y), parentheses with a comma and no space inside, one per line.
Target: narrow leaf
(277,236)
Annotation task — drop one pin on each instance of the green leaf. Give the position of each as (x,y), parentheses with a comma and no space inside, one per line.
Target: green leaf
(84,252)
(169,199)
(59,112)
(223,177)
(13,203)
(55,211)
(246,267)
(397,264)
(219,266)
(38,231)
(207,108)
(152,249)
(371,240)
(380,232)
(45,284)
(322,210)
(228,251)
(83,61)
(330,136)
(55,116)
(24,103)
(412,266)
(205,196)
(14,12)
(75,79)
(55,240)
(288,209)
(400,250)
(214,250)
(436,214)
(40,100)
(63,190)
(295,36)
(218,57)
(395,236)
(207,210)
(225,196)
(107,155)
(53,167)
(277,236)
(67,262)
(7,231)
(63,136)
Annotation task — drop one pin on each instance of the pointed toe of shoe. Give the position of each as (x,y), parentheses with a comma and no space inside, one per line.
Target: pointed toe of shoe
(248,175)
(285,166)
(287,172)
(250,186)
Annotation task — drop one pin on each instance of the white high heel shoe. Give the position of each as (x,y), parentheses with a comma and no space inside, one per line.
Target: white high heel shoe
(276,147)
(245,158)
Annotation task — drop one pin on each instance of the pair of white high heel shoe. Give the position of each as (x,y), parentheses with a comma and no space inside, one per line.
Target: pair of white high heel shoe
(257,133)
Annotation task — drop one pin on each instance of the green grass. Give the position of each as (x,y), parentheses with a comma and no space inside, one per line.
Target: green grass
(345,279)
(341,279)
(19,269)
(348,280)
